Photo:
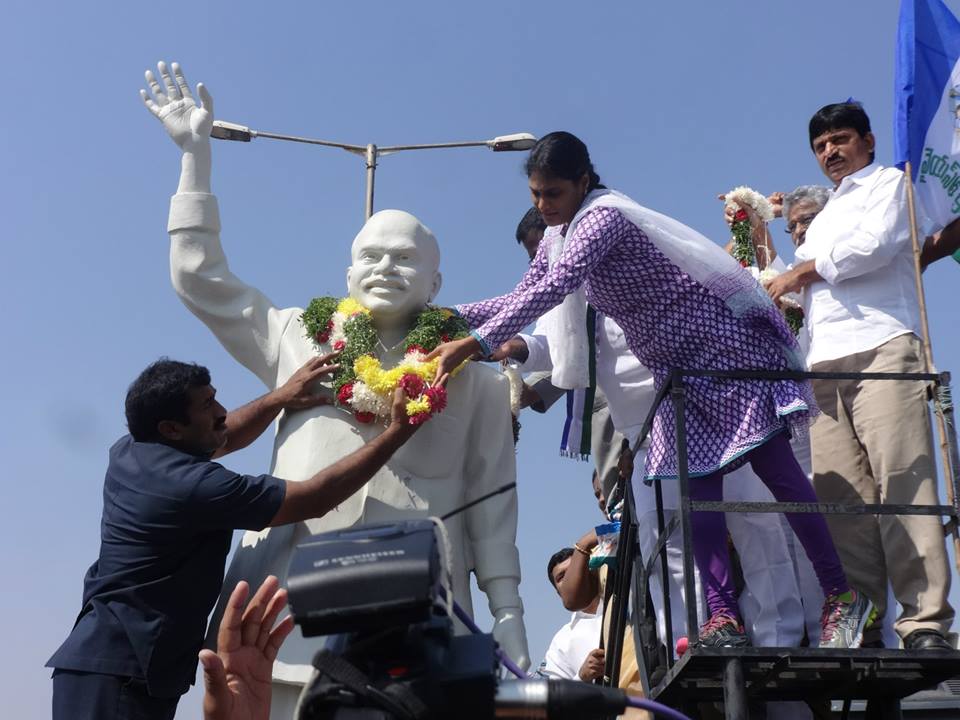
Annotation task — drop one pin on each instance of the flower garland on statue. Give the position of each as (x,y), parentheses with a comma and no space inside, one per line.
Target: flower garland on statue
(361,383)
(742,232)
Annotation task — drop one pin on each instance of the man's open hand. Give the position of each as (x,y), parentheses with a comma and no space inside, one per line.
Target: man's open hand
(297,392)
(237,677)
(173,105)
(398,409)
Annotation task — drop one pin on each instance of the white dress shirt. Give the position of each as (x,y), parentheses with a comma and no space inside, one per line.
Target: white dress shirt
(626,382)
(571,645)
(860,245)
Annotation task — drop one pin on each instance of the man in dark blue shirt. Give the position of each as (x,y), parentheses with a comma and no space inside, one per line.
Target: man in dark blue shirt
(169,512)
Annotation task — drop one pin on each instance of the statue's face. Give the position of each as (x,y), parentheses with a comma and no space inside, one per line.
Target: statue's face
(395,265)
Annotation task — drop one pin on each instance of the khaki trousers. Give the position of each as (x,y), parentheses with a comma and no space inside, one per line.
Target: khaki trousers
(872,443)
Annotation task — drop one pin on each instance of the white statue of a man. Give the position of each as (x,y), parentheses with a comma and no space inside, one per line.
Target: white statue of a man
(463,453)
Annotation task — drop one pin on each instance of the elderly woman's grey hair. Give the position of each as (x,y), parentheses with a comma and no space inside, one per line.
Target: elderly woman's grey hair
(814,194)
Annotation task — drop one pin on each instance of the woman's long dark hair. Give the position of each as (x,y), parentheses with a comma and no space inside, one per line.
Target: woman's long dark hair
(562,155)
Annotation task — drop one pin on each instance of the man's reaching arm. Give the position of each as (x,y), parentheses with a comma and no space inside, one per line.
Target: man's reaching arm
(247,423)
(315,497)
(941,245)
(581,585)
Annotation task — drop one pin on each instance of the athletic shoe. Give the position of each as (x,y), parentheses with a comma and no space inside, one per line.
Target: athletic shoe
(723,630)
(844,618)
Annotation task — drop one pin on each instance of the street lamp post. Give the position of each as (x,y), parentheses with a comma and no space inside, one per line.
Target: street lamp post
(372,153)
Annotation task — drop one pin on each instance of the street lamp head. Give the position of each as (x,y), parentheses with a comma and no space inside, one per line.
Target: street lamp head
(515,142)
(223,130)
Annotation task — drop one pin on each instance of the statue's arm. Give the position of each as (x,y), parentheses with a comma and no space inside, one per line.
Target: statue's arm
(244,320)
(492,525)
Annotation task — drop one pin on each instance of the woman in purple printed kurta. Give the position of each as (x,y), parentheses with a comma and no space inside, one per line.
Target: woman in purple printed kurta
(681,305)
(628,279)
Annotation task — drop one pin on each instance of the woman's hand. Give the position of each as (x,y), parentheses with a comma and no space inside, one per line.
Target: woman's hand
(453,353)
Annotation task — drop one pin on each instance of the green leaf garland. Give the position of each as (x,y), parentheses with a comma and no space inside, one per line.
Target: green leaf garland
(433,326)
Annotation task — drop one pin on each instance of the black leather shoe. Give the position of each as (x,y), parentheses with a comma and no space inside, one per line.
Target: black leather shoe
(925,640)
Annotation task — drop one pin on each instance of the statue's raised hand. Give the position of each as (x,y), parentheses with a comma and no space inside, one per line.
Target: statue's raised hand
(173,104)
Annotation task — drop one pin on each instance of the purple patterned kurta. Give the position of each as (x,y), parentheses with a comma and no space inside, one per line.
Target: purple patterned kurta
(669,320)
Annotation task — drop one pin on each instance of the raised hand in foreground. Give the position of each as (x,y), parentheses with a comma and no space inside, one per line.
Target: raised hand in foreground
(237,677)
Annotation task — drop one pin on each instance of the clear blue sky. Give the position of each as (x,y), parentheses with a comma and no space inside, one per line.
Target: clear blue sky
(677,101)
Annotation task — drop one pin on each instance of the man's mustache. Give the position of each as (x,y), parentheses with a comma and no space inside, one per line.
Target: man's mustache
(384,282)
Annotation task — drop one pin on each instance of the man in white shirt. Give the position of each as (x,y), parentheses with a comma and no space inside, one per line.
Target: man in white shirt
(574,652)
(872,441)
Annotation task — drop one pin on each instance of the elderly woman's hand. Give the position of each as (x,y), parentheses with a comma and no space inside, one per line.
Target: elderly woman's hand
(776,199)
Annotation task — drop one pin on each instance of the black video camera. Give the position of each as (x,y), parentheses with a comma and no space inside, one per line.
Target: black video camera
(382,596)
(385,591)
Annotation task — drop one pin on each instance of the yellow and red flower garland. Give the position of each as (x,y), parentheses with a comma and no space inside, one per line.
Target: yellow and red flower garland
(361,383)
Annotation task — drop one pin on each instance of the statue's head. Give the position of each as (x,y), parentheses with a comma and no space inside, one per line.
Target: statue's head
(395,266)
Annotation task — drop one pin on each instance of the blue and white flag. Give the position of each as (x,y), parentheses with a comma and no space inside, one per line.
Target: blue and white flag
(927,117)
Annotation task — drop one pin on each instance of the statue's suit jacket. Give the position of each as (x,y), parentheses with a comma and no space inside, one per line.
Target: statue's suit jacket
(462,453)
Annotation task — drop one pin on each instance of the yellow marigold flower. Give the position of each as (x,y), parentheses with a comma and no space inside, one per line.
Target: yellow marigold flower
(420,405)
(388,381)
(367,369)
(425,370)
(348,306)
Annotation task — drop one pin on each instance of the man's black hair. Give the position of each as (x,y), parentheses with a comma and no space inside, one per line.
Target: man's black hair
(531,220)
(162,392)
(838,116)
(555,559)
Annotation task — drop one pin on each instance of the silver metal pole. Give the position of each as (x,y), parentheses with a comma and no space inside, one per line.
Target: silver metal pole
(371,172)
(435,146)
(308,141)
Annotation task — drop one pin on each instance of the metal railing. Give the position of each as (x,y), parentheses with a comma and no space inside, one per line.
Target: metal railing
(632,572)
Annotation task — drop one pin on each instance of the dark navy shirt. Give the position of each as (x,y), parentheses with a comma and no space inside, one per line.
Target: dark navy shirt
(168,520)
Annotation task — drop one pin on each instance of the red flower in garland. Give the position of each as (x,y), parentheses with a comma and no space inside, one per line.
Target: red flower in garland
(419,418)
(744,263)
(364,417)
(740,215)
(339,345)
(416,348)
(437,397)
(444,338)
(322,337)
(345,394)
(413,385)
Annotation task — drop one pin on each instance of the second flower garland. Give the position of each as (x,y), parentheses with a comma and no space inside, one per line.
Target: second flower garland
(361,383)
